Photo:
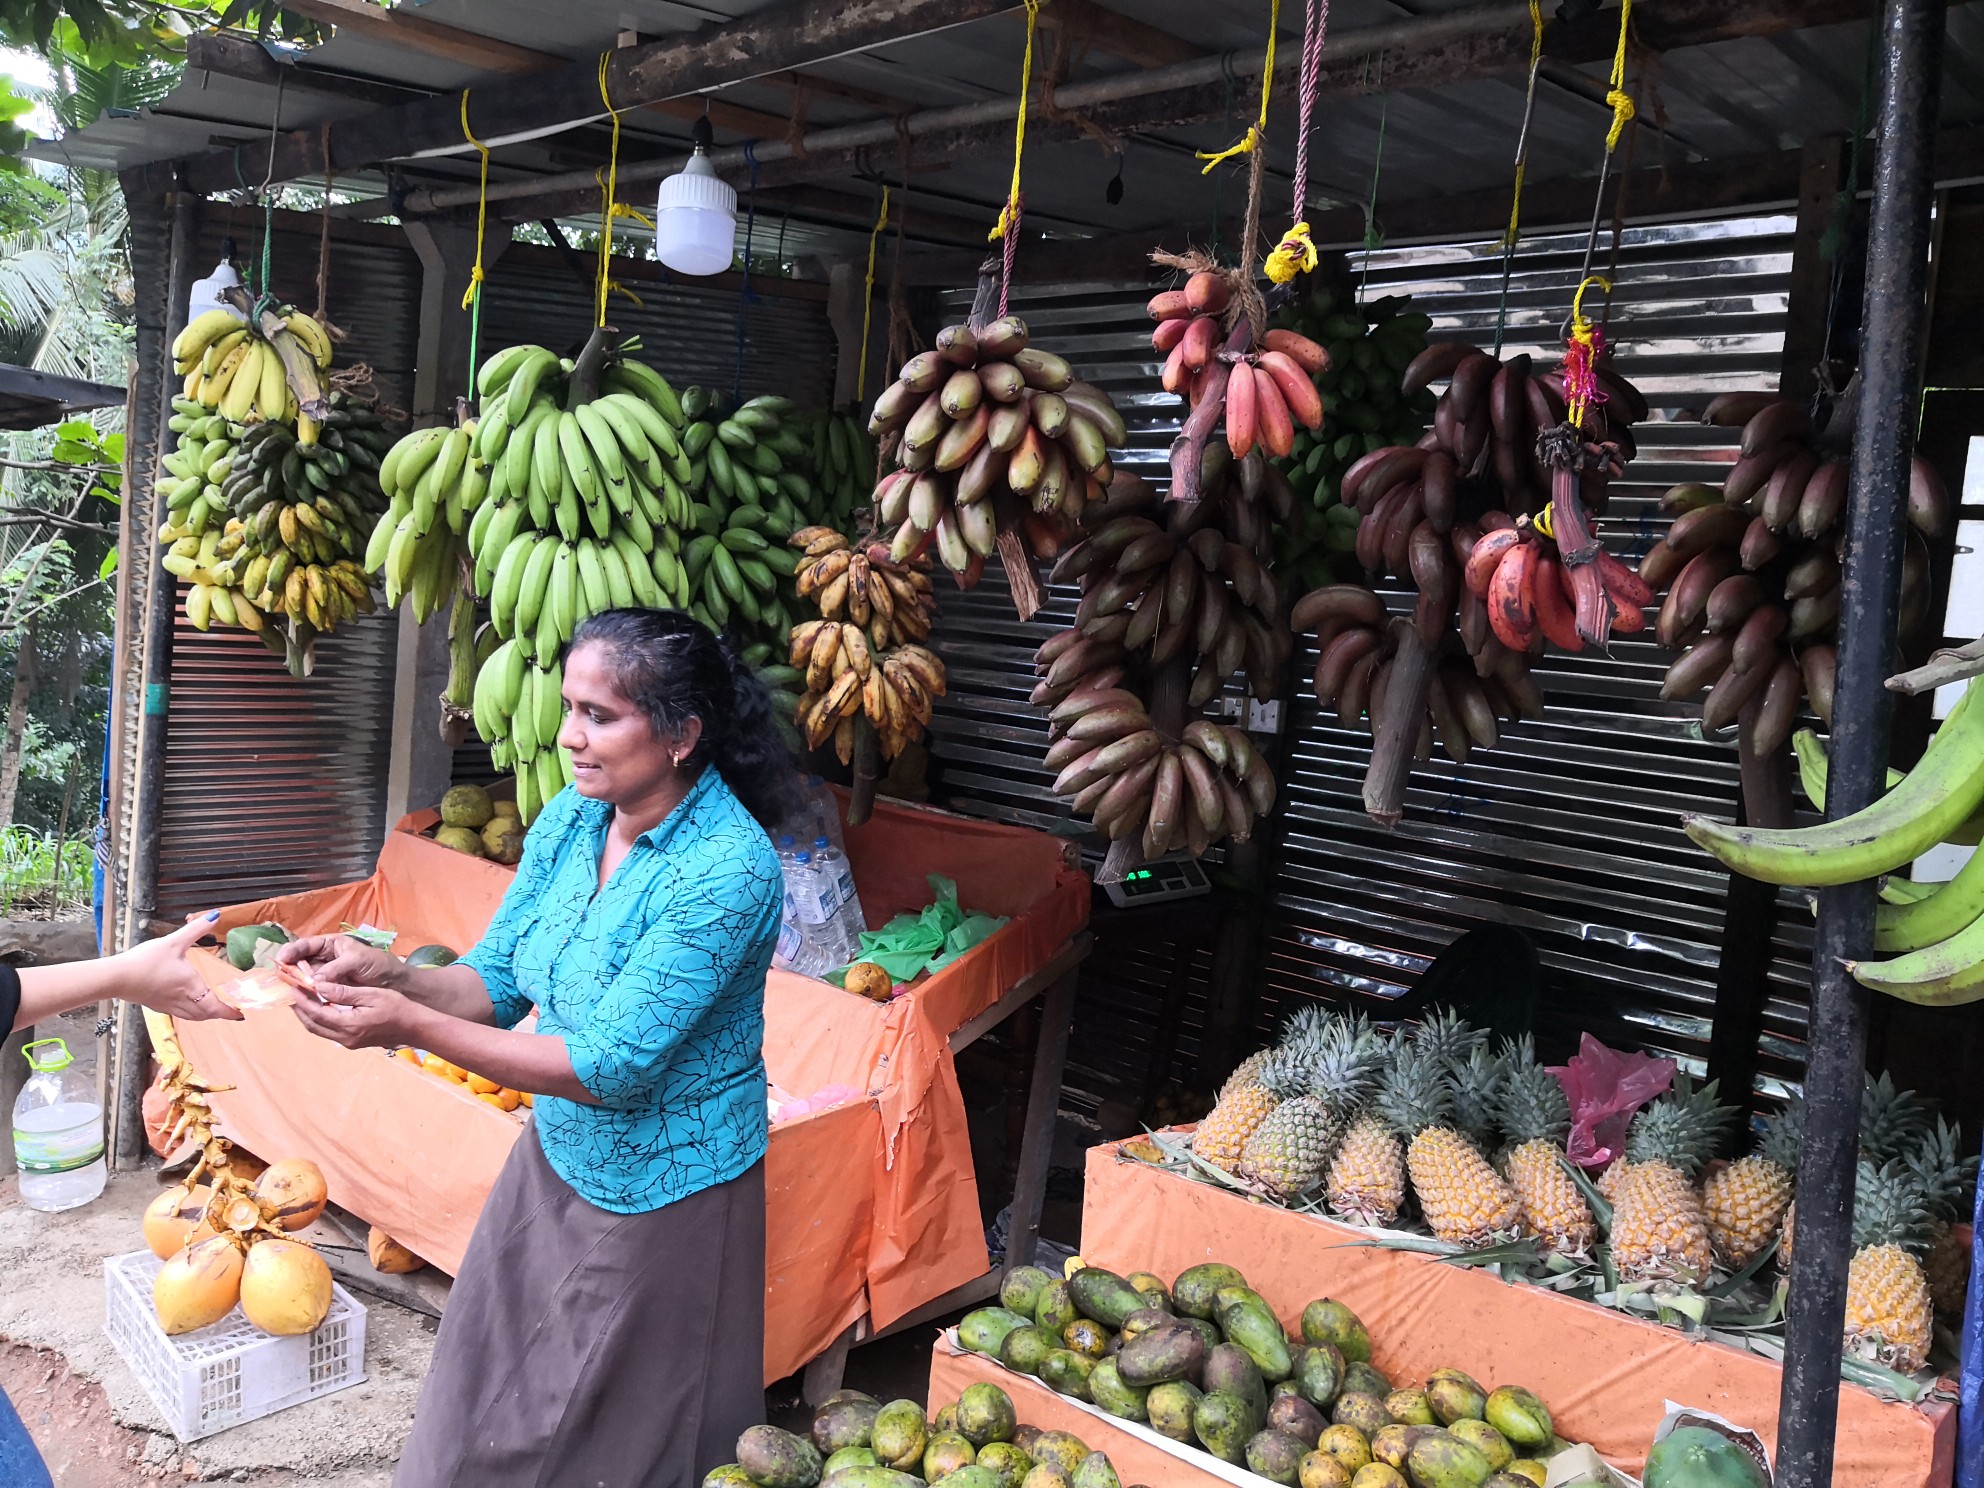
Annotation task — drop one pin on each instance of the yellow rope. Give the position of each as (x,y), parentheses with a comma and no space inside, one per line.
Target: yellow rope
(475,275)
(1293,255)
(611,187)
(868,300)
(1011,209)
(1617,98)
(1257,131)
(1576,400)
(1522,164)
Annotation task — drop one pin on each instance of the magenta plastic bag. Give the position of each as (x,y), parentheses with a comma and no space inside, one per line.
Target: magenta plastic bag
(1605,1088)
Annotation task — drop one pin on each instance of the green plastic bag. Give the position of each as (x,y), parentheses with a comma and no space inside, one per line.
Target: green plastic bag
(927,941)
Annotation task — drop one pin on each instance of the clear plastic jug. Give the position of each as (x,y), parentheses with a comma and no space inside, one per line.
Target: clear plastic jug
(58,1132)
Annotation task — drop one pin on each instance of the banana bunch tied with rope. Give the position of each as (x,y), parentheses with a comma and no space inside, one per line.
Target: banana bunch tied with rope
(231,366)
(749,469)
(1928,937)
(862,658)
(982,423)
(267,528)
(843,462)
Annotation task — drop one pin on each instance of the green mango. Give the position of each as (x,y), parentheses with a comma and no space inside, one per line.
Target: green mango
(1104,1296)
(1056,1309)
(1319,1374)
(971,1476)
(986,1414)
(1067,1372)
(871,1477)
(1004,1461)
(945,1422)
(945,1453)
(1231,1370)
(1486,1440)
(1366,1412)
(1171,1352)
(1095,1471)
(900,1434)
(1020,1291)
(1144,1320)
(1250,1324)
(1107,1389)
(730,1475)
(1169,1407)
(1455,1400)
(1329,1321)
(1392,1445)
(982,1332)
(849,1457)
(1042,1475)
(1193,1292)
(1024,1348)
(1698,1457)
(1363,1378)
(1275,1455)
(772,1458)
(1519,1416)
(1440,1459)
(1061,1450)
(432,955)
(1411,1408)
(846,1423)
(1296,1417)
(1156,1293)
(1223,1423)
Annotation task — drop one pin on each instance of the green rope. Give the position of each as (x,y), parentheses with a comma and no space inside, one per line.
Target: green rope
(1374,235)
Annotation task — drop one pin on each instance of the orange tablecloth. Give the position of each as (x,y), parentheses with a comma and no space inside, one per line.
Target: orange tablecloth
(872,1207)
(1604,1375)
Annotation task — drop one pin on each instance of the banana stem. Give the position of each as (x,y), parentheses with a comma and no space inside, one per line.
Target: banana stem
(1189,448)
(1396,728)
(867,765)
(583,385)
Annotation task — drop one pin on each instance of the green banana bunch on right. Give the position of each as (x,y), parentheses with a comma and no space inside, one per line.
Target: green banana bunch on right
(1369,348)
(1939,934)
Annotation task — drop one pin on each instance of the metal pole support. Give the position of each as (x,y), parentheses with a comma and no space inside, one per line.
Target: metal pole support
(1911,41)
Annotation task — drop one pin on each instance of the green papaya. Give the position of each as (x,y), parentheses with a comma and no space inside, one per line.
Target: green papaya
(242,940)
(1109,1392)
(1699,1457)
(1193,1292)
(982,1332)
(1169,1407)
(1024,1348)
(1223,1423)
(772,1458)
(1020,1291)
(1104,1296)
(1275,1455)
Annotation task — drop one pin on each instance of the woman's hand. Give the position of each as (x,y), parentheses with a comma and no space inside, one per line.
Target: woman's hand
(344,960)
(358,1017)
(156,974)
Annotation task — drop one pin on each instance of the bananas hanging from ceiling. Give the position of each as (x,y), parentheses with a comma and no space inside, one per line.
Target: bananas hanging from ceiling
(264,369)
(842,456)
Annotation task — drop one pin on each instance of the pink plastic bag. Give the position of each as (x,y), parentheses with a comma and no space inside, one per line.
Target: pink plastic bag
(1605,1088)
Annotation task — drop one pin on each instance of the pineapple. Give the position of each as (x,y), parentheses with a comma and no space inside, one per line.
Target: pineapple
(1464,1200)
(1609,1180)
(1889,1311)
(1367,1176)
(1249,1096)
(1289,1153)
(1533,1112)
(1784,1237)
(1893,1123)
(1747,1202)
(1659,1231)
(1947,1181)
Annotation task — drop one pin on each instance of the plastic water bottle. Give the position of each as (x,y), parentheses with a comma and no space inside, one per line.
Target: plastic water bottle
(806,943)
(825,810)
(833,863)
(789,954)
(58,1132)
(820,912)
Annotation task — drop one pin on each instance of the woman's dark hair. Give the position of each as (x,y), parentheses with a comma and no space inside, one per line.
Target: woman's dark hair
(675,668)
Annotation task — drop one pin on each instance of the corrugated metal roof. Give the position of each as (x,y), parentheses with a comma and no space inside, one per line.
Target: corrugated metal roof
(1733,98)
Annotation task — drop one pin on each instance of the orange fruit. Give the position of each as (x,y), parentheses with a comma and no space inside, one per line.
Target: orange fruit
(524,1096)
(483,1086)
(410,1054)
(433,1062)
(508,1099)
(490,1096)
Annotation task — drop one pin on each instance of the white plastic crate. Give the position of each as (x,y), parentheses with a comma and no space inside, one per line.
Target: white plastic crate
(220,1376)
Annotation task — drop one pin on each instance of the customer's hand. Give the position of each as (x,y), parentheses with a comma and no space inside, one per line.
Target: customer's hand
(343,960)
(357,1017)
(156,974)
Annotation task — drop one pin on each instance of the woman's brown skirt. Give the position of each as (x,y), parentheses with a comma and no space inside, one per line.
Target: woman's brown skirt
(585,1348)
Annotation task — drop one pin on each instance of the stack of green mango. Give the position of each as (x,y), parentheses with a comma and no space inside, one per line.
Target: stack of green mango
(1207,1363)
(858,1442)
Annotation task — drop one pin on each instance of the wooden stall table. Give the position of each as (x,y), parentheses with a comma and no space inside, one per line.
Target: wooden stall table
(872,1204)
(1606,1376)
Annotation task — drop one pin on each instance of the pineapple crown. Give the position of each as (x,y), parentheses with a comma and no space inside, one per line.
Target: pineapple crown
(1448,1037)
(1890,1208)
(1892,1122)
(1347,1067)
(1477,1087)
(1531,1103)
(1947,1179)
(1416,1092)
(1783,1135)
(1681,1129)
(1285,1072)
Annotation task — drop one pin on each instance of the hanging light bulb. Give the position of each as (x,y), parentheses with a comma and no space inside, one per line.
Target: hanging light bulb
(205,294)
(696,216)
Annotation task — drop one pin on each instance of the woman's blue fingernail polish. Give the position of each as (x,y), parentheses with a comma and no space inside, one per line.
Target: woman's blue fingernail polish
(213,914)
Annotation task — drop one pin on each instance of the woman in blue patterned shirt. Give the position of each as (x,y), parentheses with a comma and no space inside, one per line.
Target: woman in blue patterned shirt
(607,1326)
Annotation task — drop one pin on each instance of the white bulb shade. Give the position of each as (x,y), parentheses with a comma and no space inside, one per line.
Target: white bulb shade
(696,220)
(205,294)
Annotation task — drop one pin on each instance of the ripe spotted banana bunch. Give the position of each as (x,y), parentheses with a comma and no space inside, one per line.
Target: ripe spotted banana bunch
(1366,350)
(1167,579)
(1123,774)
(1267,392)
(748,470)
(861,658)
(1465,695)
(253,372)
(841,461)
(1752,572)
(990,434)
(265,527)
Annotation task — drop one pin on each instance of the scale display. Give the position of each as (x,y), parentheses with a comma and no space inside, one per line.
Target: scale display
(1154,883)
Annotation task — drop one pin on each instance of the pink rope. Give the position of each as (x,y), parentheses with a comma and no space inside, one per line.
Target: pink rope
(1315,26)
(1012,241)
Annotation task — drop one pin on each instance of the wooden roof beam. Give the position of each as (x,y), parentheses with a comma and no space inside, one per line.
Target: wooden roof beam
(1084,23)
(546,97)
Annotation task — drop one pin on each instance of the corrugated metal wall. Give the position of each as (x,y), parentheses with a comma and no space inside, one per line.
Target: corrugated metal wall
(688,331)
(1568,830)
(273,785)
